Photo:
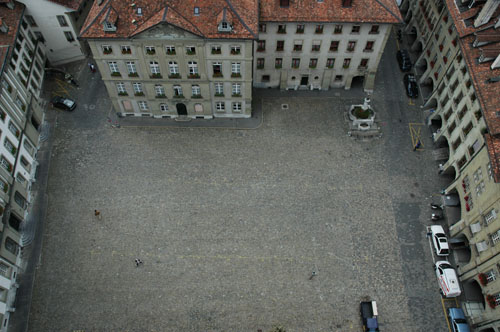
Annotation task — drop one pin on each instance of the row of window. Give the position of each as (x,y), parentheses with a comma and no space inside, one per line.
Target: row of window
(177,89)
(318,29)
(220,106)
(171,50)
(313,63)
(316,46)
(267,78)
(173,69)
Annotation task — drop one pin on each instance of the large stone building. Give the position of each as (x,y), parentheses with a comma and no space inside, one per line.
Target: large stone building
(175,58)
(22,59)
(457,49)
(321,44)
(56,23)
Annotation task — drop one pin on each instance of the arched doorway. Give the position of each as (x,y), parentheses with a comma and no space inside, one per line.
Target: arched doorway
(181,109)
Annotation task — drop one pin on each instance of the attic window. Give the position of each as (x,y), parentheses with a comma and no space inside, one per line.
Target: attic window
(108,26)
(284,3)
(224,26)
(196,11)
(139,11)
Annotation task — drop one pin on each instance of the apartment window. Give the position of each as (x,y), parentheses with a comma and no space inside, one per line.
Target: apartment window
(131,68)
(478,175)
(330,62)
(278,63)
(216,49)
(159,90)
(69,36)
(236,89)
(31,20)
(363,63)
(260,63)
(150,50)
(237,107)
(10,244)
(154,67)
(25,163)
(120,87)
(113,67)
(280,45)
(224,26)
(190,50)
(347,63)
(5,164)
(139,11)
(319,28)
(281,28)
(219,89)
(143,106)
(20,103)
(13,129)
(195,90)
(334,46)
(62,20)
(339,78)
(297,45)
(126,49)
(295,63)
(193,68)
(196,11)
(164,107)
(39,36)
(219,106)
(491,276)
(495,237)
(300,28)
(356,28)
(284,3)
(338,29)
(173,68)
(369,46)
(9,147)
(177,90)
(261,45)
(235,50)
(28,146)
(351,46)
(170,50)
(138,89)
(316,46)
(217,67)
(262,28)
(313,63)
(490,171)
(235,69)
(480,188)
(490,216)
(4,270)
(374,29)
(265,78)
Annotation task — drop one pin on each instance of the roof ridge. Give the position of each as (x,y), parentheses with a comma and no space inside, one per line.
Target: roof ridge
(390,11)
(240,19)
(192,24)
(95,18)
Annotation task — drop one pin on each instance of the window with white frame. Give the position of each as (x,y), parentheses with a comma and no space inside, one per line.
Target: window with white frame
(236,89)
(150,50)
(235,50)
(164,107)
(137,88)
(490,171)
(9,146)
(108,26)
(20,103)
(235,68)
(220,106)
(126,49)
(480,188)
(5,164)
(491,276)
(217,66)
(237,107)
(216,49)
(177,90)
(173,67)
(143,106)
(495,237)
(69,36)
(13,129)
(478,175)
(113,67)
(120,86)
(195,90)
(170,50)
(21,179)
(490,216)
(27,145)
(4,270)
(219,88)
(190,50)
(159,90)
(107,49)
(193,67)
(131,67)
(155,67)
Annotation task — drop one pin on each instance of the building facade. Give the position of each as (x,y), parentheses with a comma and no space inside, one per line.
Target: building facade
(457,49)
(321,44)
(175,60)
(22,70)
(56,23)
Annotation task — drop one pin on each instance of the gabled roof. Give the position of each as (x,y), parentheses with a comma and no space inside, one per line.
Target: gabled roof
(71,4)
(373,11)
(110,15)
(179,13)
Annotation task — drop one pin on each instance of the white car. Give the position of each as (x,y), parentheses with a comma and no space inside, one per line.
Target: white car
(447,278)
(440,241)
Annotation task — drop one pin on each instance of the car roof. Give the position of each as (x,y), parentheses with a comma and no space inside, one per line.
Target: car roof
(456,313)
(437,229)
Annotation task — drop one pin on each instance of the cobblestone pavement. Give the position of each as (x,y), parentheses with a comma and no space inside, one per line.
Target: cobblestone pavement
(230,224)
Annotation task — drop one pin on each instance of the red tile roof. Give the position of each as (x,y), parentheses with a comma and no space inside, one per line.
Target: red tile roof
(493,146)
(11,18)
(241,14)
(72,4)
(376,11)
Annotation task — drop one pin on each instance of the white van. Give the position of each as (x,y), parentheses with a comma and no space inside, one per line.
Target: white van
(447,278)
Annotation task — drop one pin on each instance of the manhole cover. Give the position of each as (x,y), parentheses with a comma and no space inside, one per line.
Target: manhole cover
(284,106)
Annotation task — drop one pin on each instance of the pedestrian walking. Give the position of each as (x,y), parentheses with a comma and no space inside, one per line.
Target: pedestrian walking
(417,146)
(97,214)
(138,262)
(92,68)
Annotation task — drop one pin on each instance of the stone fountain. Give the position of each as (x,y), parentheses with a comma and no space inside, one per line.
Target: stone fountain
(362,121)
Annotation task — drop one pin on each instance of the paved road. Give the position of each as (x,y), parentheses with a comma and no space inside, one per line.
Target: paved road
(230,224)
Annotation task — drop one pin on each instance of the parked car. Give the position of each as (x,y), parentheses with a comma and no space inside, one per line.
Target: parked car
(369,315)
(447,278)
(404,60)
(457,320)
(411,85)
(63,103)
(439,240)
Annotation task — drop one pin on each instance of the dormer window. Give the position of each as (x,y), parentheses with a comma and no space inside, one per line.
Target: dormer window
(108,26)
(196,11)
(139,11)
(224,26)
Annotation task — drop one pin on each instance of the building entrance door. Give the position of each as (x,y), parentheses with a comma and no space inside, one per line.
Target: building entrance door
(304,80)
(181,109)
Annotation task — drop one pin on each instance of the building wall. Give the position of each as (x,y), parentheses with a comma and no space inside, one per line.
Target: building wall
(129,105)
(321,76)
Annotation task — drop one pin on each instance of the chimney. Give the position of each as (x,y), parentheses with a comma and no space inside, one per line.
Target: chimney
(346,3)
(3,26)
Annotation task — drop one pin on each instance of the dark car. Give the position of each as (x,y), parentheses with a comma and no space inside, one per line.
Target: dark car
(411,85)
(404,60)
(63,103)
